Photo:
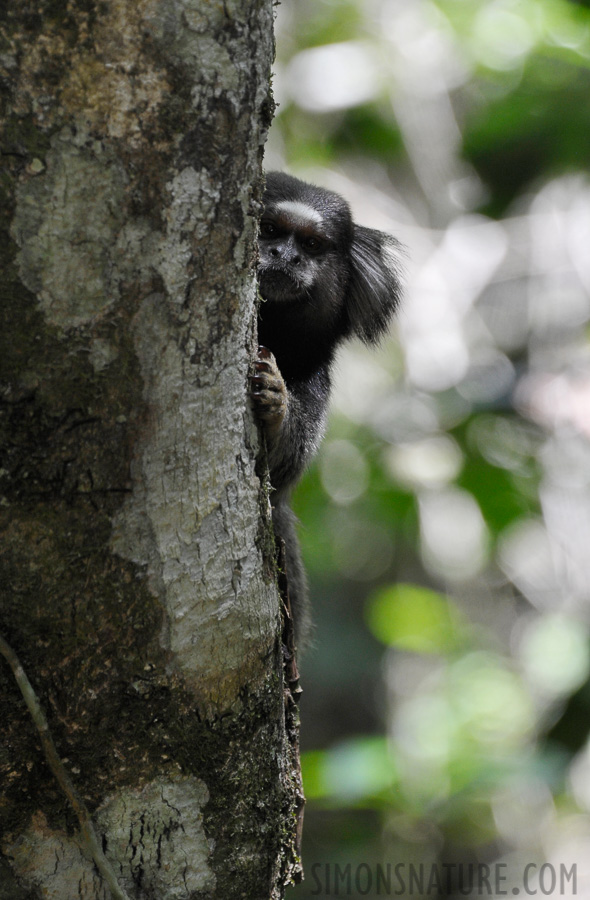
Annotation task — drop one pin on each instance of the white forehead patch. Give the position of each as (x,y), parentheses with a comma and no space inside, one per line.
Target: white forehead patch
(300,212)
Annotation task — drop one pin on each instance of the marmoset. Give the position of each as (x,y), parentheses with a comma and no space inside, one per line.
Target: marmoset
(322,278)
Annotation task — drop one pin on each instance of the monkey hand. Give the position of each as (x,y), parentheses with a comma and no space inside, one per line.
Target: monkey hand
(268,391)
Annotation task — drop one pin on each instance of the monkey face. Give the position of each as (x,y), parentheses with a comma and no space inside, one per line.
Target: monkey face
(297,252)
(320,271)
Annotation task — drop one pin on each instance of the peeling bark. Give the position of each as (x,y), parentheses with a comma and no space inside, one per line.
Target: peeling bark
(136,584)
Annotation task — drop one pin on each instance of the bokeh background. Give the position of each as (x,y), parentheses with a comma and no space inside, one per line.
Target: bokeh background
(446,522)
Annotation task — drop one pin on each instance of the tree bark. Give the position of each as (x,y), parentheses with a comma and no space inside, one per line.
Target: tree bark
(139,613)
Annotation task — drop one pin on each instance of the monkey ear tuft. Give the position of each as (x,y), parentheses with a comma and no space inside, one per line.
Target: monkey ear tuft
(375,287)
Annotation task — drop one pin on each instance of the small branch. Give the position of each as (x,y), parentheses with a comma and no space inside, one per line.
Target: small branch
(89,835)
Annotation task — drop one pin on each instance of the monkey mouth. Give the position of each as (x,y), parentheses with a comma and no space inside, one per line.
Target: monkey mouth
(279,284)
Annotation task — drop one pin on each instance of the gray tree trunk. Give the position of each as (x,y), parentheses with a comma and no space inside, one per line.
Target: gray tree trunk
(146,748)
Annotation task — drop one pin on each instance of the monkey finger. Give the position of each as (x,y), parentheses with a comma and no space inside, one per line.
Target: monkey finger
(258,382)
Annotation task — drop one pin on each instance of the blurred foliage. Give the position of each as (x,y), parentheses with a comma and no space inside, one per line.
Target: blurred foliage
(446,522)
(527,134)
(415,618)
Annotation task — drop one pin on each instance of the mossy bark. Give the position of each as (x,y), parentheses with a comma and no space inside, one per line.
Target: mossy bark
(134,583)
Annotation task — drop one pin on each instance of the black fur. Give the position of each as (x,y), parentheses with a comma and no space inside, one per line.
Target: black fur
(322,279)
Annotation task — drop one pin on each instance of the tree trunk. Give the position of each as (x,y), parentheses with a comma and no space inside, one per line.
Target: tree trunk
(145,751)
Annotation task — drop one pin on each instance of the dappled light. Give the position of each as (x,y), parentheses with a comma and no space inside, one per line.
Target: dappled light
(446,525)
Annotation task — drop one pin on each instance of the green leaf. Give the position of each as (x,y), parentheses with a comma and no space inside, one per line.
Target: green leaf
(351,771)
(415,618)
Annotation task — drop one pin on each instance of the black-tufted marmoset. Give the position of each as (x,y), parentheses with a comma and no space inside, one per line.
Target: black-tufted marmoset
(322,278)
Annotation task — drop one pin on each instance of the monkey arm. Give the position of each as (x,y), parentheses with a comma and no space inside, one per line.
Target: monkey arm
(293,417)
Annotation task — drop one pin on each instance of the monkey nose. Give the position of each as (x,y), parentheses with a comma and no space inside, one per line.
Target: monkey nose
(293,257)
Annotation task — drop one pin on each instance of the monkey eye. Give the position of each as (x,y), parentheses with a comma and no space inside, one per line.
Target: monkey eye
(312,244)
(268,229)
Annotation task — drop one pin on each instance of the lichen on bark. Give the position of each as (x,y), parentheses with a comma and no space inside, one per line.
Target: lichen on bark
(133,582)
